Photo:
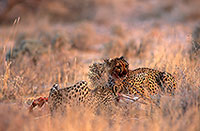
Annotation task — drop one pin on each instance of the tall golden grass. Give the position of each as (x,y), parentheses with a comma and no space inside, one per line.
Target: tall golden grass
(162,47)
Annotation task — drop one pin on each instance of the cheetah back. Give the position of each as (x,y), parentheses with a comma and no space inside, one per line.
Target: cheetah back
(80,94)
(144,82)
(72,96)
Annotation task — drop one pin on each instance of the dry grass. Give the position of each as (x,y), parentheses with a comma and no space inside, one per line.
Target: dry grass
(71,47)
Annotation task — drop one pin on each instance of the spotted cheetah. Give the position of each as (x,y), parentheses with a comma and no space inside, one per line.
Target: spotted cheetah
(143,82)
(80,94)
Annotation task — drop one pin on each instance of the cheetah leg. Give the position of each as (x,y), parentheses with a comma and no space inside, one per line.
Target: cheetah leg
(38,102)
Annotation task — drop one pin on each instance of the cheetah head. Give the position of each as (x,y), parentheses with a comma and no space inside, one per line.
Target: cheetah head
(118,67)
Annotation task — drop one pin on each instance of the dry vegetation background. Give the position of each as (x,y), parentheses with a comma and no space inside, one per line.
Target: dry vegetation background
(56,41)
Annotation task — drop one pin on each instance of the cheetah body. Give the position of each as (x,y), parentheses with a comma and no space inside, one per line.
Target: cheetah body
(79,95)
(148,82)
(143,82)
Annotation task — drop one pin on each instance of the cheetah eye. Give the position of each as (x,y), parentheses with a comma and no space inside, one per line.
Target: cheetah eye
(118,66)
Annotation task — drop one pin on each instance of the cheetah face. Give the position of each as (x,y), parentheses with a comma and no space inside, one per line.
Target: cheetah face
(117,67)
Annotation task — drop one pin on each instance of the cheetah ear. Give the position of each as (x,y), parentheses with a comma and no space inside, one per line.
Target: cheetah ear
(107,61)
(122,57)
(56,86)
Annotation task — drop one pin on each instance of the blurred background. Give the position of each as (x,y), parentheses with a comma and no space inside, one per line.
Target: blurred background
(100,11)
(114,27)
(43,42)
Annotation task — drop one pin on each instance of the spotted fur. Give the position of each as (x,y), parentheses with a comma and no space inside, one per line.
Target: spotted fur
(80,95)
(144,82)
(60,98)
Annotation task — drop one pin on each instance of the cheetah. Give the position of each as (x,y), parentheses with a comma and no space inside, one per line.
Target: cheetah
(80,95)
(141,82)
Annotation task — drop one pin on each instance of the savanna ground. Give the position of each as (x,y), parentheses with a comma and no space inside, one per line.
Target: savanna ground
(64,37)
